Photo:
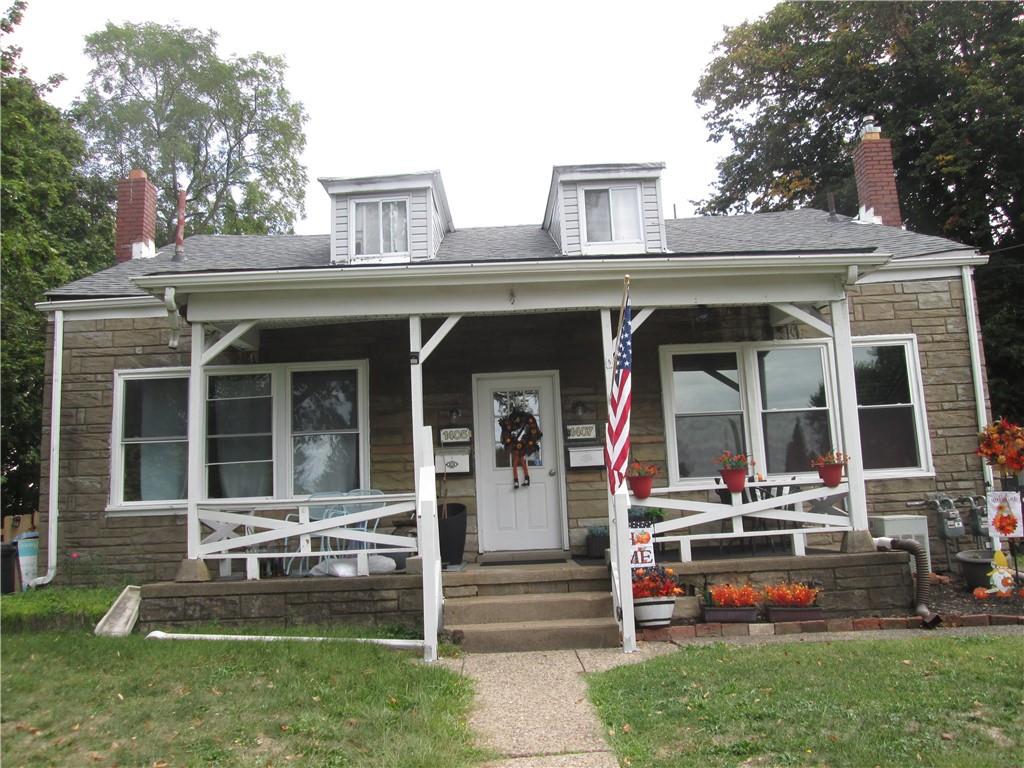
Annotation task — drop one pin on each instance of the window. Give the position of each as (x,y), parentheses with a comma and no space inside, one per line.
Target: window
(770,400)
(239,436)
(892,432)
(612,215)
(325,431)
(150,442)
(381,227)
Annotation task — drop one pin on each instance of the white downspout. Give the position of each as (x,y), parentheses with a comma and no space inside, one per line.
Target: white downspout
(55,391)
(971,311)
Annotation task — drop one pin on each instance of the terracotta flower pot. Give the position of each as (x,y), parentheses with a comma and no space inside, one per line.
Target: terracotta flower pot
(653,611)
(831,474)
(640,486)
(735,479)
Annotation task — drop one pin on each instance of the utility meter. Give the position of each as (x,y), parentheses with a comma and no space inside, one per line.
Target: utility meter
(951,524)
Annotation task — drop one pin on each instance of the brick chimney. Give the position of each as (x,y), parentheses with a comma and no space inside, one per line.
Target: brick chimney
(876,179)
(136,218)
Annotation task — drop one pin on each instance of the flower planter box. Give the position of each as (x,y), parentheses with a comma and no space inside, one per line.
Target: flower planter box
(777,613)
(653,611)
(746,614)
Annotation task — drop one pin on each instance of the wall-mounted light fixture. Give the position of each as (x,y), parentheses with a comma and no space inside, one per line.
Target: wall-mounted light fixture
(579,409)
(454,413)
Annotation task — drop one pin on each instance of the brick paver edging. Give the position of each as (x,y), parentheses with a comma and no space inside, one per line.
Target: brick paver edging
(683,633)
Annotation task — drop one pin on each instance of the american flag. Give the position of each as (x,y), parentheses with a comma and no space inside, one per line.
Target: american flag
(616,448)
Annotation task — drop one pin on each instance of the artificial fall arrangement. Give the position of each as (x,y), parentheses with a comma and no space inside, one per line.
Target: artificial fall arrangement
(830,459)
(729,596)
(790,594)
(636,469)
(1002,445)
(730,460)
(655,581)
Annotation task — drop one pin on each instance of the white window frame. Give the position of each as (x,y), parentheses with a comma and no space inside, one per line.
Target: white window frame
(750,401)
(908,341)
(116,502)
(395,257)
(613,245)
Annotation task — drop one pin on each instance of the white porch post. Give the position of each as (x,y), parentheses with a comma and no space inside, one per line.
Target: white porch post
(848,419)
(195,438)
(416,382)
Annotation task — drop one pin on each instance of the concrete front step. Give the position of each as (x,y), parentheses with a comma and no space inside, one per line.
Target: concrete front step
(482,581)
(530,607)
(538,635)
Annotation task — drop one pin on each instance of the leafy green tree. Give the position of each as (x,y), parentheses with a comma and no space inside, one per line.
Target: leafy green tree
(226,131)
(57,226)
(946,82)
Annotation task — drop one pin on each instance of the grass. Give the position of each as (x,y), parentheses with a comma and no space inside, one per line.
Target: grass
(920,701)
(55,608)
(70,698)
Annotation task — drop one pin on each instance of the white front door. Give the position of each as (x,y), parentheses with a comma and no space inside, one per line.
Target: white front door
(528,517)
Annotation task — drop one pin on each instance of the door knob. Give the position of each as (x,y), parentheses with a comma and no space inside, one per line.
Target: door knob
(551,473)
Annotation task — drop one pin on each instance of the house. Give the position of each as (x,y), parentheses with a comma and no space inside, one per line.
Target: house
(248,373)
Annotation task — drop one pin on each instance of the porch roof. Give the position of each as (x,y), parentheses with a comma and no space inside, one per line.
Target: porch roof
(786,232)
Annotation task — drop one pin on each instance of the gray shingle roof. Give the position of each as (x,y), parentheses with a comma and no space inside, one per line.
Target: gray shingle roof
(787,231)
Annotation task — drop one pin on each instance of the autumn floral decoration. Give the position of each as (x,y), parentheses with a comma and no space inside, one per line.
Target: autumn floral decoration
(655,581)
(730,596)
(790,593)
(1002,445)
(1004,521)
(636,469)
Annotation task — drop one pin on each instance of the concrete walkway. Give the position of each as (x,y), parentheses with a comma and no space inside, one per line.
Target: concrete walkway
(532,708)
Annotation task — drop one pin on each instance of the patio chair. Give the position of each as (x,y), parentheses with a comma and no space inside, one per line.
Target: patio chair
(326,543)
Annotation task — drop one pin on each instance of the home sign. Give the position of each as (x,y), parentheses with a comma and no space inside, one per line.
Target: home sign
(454,435)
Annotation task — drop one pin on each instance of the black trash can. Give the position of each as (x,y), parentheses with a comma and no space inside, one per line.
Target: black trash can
(8,567)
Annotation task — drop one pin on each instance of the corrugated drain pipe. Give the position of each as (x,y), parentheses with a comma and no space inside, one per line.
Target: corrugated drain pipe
(924,576)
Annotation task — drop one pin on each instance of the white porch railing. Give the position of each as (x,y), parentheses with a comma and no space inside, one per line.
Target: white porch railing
(823,517)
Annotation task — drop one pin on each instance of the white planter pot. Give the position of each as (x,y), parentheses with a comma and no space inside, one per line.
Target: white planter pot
(653,611)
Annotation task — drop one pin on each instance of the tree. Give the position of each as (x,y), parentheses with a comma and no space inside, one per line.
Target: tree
(57,226)
(946,82)
(159,98)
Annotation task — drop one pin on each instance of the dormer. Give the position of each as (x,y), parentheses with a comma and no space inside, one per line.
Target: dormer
(612,208)
(387,219)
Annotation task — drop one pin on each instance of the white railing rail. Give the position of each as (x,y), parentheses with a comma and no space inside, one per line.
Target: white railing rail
(429,548)
(231,530)
(823,517)
(622,573)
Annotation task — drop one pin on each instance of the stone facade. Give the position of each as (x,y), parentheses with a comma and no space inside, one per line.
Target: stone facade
(148,548)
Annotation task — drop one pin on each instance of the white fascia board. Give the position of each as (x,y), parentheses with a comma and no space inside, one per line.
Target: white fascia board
(118,308)
(420,274)
(374,184)
(923,268)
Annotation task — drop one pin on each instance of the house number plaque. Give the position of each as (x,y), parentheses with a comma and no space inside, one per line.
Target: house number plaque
(453,435)
(581,431)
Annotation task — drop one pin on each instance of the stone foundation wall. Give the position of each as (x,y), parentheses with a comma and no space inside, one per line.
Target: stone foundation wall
(365,601)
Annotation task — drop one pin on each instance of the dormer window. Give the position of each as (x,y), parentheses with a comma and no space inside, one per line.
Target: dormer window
(380,227)
(612,215)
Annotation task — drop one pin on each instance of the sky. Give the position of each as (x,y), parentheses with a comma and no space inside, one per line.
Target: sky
(491,94)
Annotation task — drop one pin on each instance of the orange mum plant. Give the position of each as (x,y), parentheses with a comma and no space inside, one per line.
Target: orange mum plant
(1002,445)
(655,582)
(729,596)
(790,593)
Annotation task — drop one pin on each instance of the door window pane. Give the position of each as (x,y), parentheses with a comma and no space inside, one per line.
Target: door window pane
(505,402)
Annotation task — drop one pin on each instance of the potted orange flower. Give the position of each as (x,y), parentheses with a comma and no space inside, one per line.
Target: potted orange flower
(730,603)
(735,467)
(830,467)
(792,601)
(640,478)
(654,596)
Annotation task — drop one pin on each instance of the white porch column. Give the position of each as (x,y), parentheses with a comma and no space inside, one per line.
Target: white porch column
(848,419)
(416,383)
(195,438)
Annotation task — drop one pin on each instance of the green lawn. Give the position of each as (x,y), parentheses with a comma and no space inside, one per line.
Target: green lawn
(70,698)
(935,701)
(56,608)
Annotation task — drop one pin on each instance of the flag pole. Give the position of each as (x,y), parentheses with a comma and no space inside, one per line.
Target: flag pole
(622,316)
